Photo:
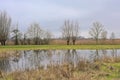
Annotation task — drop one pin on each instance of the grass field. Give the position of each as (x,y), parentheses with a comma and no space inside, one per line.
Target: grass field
(36,47)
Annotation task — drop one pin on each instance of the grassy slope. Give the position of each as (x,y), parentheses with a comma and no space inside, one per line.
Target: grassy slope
(35,47)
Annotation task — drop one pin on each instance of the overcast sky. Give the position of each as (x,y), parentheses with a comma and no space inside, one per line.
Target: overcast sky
(50,14)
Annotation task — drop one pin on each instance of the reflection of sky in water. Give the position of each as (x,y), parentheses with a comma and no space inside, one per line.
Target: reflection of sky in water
(44,58)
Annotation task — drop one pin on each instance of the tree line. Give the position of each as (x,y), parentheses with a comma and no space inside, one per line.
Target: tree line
(36,35)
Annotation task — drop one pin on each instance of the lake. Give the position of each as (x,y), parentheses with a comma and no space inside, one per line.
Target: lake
(43,59)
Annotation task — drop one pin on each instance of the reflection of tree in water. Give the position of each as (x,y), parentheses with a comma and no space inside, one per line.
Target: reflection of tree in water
(114,53)
(104,52)
(37,57)
(33,59)
(71,57)
(41,58)
(115,56)
(16,56)
(54,57)
(5,64)
(75,57)
(104,55)
(95,55)
(67,56)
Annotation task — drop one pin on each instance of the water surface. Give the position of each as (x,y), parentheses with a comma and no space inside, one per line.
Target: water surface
(36,59)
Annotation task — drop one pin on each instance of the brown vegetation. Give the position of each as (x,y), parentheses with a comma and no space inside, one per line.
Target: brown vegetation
(86,41)
(85,70)
(78,42)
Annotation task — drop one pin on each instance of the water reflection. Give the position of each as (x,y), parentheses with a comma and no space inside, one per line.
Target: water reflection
(99,55)
(4,64)
(34,59)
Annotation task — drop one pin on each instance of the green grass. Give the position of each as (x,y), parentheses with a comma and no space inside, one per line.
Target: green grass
(36,47)
(115,73)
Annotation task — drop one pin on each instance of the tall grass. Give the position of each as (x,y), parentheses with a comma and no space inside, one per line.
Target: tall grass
(105,68)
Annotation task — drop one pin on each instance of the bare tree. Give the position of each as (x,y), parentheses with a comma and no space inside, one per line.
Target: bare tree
(66,31)
(5,23)
(96,30)
(24,39)
(75,31)
(112,37)
(104,35)
(16,35)
(34,32)
(70,31)
(47,36)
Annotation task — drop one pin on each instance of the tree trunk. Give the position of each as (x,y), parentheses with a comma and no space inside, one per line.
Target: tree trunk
(16,40)
(35,42)
(68,41)
(96,41)
(74,42)
(3,42)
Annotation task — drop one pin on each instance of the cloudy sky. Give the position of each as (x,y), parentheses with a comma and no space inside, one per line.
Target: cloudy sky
(50,14)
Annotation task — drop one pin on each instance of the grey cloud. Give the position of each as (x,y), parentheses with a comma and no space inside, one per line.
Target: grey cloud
(52,13)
